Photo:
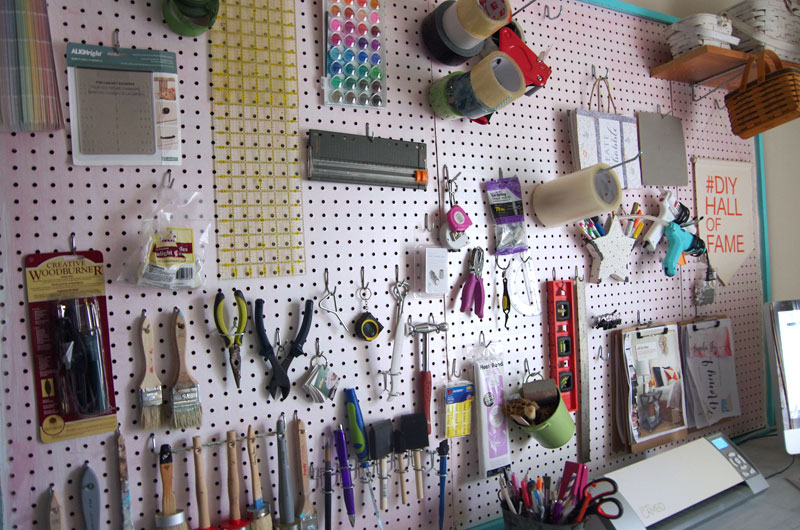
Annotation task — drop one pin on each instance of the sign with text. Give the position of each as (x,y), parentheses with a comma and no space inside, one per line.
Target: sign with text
(724,193)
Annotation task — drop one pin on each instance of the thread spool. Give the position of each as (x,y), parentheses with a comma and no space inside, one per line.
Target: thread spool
(585,193)
(495,82)
(439,45)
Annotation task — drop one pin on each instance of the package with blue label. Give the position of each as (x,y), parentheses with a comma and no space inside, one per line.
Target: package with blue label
(123,106)
(505,200)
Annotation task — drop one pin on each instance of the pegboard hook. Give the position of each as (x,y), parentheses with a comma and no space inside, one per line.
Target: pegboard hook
(115,40)
(72,247)
(523,8)
(169,180)
(594,73)
(369,136)
(547,13)
(151,442)
(606,170)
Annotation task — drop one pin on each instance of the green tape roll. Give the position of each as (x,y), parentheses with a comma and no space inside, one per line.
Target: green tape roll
(437,97)
(186,24)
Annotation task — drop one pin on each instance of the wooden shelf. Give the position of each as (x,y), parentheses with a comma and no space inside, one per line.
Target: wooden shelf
(701,65)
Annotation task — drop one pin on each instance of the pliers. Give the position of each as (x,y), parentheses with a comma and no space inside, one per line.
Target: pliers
(279,374)
(295,351)
(473,291)
(232,340)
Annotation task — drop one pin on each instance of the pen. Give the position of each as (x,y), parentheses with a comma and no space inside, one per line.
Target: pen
(638,229)
(328,483)
(443,450)
(598,225)
(347,481)
(632,222)
(515,484)
(526,499)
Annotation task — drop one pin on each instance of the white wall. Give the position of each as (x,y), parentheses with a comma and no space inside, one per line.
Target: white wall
(782,172)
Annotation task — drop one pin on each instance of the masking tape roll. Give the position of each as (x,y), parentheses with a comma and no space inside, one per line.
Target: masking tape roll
(439,44)
(497,80)
(437,97)
(456,32)
(585,193)
(481,18)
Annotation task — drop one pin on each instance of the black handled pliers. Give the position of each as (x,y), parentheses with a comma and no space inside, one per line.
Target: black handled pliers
(295,351)
(279,375)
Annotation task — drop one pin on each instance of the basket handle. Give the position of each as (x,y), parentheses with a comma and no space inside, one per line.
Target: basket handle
(746,74)
(762,64)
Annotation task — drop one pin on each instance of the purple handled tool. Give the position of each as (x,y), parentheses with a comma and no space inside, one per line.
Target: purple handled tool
(473,291)
(347,480)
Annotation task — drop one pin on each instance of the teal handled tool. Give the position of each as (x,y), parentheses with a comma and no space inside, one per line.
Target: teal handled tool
(358,434)
(232,339)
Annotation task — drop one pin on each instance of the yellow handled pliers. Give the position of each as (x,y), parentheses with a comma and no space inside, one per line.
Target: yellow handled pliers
(232,340)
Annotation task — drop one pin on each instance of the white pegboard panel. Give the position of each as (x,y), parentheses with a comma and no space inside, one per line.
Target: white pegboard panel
(45,198)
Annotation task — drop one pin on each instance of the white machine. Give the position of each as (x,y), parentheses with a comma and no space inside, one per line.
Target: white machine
(782,327)
(683,487)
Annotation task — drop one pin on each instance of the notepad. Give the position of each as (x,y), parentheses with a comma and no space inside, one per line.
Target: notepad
(115,112)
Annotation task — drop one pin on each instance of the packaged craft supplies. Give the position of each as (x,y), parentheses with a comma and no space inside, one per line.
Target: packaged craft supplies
(172,243)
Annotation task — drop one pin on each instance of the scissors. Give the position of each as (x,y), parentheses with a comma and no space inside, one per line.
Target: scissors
(598,499)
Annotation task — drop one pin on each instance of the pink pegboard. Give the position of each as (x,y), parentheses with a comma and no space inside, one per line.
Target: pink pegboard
(45,198)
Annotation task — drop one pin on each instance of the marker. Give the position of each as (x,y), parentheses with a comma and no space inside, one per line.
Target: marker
(598,225)
(632,222)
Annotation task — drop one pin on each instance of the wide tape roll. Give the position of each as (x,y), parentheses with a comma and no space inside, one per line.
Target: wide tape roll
(497,80)
(481,18)
(461,97)
(437,97)
(439,44)
(456,32)
(585,193)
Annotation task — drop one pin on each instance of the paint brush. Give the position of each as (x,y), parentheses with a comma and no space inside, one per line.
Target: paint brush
(380,446)
(415,430)
(151,395)
(259,512)
(186,410)
(124,487)
(170,517)
(236,522)
(400,457)
(200,487)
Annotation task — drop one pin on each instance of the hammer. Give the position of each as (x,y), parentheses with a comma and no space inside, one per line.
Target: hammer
(425,374)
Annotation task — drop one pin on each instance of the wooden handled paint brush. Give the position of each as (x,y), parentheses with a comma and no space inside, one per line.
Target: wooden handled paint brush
(400,461)
(415,430)
(380,447)
(260,518)
(151,397)
(308,514)
(170,517)
(235,522)
(186,410)
(200,485)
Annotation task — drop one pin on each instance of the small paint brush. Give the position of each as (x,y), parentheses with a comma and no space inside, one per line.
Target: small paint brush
(151,395)
(186,410)
(170,517)
(415,431)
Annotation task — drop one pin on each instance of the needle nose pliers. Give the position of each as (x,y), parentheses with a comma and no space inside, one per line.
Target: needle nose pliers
(233,339)
(279,375)
(473,291)
(295,351)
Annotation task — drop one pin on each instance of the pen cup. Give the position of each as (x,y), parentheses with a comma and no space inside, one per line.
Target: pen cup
(514,521)
(556,430)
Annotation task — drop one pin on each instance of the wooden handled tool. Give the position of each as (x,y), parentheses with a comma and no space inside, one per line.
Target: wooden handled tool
(400,456)
(186,409)
(236,520)
(167,493)
(308,514)
(200,484)
(259,515)
(151,394)
(55,510)
(415,430)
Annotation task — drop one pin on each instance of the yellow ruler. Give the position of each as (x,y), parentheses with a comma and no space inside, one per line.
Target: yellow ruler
(257,140)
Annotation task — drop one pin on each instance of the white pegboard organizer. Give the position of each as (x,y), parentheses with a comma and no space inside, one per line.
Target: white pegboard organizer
(45,198)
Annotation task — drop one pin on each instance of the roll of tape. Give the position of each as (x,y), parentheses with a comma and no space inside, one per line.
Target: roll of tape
(437,97)
(461,97)
(186,24)
(456,32)
(438,43)
(481,19)
(492,44)
(497,80)
(585,193)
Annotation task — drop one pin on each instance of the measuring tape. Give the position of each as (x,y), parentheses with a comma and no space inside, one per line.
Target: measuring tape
(257,140)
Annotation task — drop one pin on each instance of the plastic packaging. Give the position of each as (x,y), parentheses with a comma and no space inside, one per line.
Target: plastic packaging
(505,200)
(172,244)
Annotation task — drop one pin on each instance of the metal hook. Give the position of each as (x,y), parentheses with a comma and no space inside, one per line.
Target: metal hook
(523,8)
(72,247)
(369,136)
(718,105)
(606,170)
(594,73)
(547,12)
(396,273)
(152,440)
(428,224)
(169,180)
(277,337)
(497,264)
(331,294)
(364,286)
(658,109)
(115,40)
(451,370)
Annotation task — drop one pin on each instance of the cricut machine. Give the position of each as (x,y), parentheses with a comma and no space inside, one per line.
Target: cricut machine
(683,487)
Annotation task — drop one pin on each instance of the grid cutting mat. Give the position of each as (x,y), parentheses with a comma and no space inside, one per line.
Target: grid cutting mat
(256,140)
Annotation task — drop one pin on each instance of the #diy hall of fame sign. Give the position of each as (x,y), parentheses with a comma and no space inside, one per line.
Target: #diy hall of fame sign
(725,201)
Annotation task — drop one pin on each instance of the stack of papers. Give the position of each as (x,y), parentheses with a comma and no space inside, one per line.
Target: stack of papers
(28,87)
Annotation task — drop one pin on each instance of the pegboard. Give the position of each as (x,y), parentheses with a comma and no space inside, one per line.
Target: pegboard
(45,198)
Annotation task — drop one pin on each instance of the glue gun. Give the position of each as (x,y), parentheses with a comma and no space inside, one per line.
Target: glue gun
(670,209)
(679,241)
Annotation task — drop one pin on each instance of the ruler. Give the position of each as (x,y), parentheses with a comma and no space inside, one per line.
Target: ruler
(255,119)
(584,367)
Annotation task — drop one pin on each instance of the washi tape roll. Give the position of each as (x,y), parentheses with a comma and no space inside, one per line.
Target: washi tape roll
(481,18)
(439,44)
(585,193)
(497,80)
(456,32)
(437,97)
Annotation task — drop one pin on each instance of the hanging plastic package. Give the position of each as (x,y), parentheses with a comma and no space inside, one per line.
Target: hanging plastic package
(505,200)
